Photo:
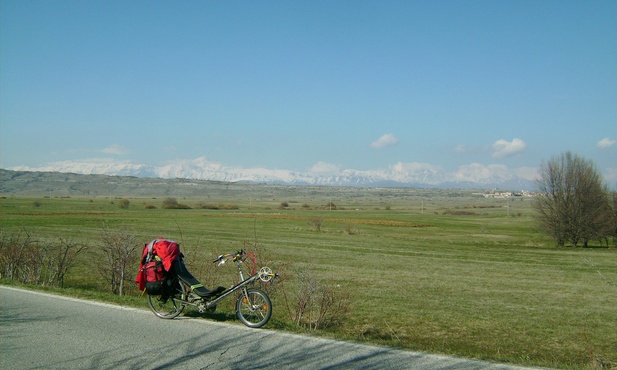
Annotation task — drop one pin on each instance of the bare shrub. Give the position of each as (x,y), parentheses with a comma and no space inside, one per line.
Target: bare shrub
(330,206)
(33,262)
(119,254)
(123,203)
(317,304)
(315,223)
(260,257)
(61,257)
(219,206)
(349,229)
(20,257)
(172,203)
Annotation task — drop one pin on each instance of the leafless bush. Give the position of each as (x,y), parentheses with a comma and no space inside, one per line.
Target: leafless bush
(172,203)
(330,206)
(119,250)
(317,304)
(123,203)
(29,261)
(61,257)
(21,257)
(349,229)
(315,223)
(263,259)
(219,206)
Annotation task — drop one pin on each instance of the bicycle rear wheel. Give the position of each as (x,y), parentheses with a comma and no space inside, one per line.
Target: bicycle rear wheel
(255,309)
(168,306)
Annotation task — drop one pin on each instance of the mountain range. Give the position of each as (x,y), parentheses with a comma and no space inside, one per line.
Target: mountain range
(400,175)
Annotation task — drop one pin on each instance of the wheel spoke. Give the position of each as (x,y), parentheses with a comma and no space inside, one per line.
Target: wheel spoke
(168,306)
(255,309)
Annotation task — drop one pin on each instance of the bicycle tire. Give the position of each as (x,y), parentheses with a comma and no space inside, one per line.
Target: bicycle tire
(170,306)
(255,309)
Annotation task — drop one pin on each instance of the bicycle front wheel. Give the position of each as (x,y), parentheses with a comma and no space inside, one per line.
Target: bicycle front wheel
(254,309)
(168,306)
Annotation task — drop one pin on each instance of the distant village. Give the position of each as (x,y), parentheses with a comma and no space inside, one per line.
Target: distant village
(506,194)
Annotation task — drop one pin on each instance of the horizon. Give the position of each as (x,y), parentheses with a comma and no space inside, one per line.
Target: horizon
(473,89)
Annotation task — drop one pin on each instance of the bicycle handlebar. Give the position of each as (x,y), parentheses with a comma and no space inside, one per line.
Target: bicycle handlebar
(223,257)
(265,274)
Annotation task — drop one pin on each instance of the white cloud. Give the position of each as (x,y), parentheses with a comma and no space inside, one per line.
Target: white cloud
(115,149)
(384,141)
(606,143)
(477,172)
(324,168)
(503,148)
(460,149)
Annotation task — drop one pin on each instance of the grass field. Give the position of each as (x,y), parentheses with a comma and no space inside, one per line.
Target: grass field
(432,270)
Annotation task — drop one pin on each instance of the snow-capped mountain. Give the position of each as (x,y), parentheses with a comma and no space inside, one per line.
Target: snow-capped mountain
(400,174)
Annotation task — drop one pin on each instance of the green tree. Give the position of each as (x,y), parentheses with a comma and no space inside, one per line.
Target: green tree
(573,206)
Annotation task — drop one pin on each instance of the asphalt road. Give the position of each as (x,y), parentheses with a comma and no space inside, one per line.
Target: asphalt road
(39,330)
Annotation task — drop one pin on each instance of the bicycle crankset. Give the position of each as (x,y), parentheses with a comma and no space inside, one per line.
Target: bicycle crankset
(265,274)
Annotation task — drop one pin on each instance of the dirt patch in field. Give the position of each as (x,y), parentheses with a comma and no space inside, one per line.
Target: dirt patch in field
(47,214)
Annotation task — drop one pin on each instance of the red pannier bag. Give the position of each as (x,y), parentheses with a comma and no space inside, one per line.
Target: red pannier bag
(156,262)
(155,277)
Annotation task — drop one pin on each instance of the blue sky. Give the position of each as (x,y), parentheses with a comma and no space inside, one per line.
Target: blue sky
(303,85)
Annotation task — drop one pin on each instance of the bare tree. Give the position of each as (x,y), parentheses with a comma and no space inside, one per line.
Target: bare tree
(573,205)
(612,228)
(119,248)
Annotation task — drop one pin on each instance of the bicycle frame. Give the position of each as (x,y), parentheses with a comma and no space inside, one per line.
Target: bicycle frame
(241,285)
(204,304)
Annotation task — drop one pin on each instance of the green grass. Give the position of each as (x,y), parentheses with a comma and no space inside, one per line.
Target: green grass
(438,271)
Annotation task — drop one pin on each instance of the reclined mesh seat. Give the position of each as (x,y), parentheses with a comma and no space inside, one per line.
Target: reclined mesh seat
(179,268)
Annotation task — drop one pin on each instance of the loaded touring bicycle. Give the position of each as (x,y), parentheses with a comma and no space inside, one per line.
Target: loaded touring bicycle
(170,287)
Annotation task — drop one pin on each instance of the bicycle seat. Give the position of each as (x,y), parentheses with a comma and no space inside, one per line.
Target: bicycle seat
(204,292)
(183,274)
